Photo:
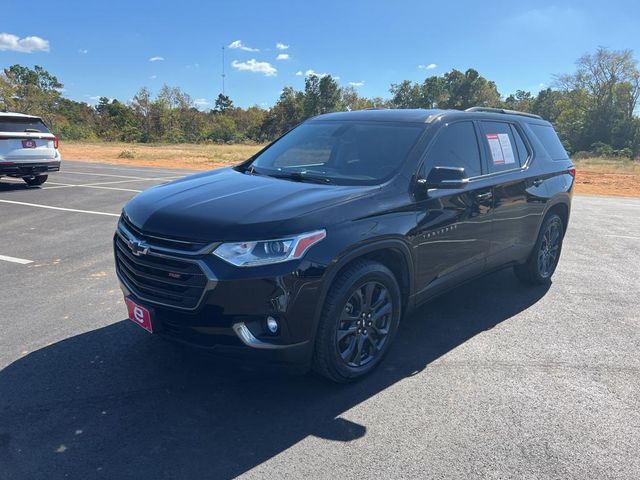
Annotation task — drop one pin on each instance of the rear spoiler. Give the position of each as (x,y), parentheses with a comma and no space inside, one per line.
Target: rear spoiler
(42,135)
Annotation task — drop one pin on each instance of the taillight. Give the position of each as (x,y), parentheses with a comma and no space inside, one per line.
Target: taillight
(572,172)
(55,142)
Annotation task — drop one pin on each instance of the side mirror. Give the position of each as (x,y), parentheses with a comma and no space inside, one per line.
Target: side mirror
(444,177)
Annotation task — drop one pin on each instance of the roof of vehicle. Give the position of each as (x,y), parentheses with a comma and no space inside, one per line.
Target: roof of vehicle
(15,114)
(383,115)
(419,115)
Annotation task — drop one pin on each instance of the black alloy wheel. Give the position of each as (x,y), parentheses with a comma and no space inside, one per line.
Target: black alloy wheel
(364,324)
(549,251)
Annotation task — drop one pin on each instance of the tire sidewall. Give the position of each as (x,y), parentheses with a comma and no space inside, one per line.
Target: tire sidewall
(372,272)
(553,218)
(36,181)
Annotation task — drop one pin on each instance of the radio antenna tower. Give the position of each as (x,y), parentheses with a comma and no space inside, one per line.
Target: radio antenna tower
(223,75)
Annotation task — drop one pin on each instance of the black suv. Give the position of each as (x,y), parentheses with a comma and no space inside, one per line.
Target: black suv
(311,251)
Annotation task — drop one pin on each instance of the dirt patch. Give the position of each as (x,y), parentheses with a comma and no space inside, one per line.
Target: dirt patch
(601,183)
(196,157)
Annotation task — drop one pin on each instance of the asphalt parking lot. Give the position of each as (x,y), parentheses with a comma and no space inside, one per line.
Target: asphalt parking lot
(492,380)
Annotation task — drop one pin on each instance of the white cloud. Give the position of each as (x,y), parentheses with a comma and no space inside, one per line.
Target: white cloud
(95,98)
(24,45)
(254,66)
(299,73)
(156,59)
(84,51)
(282,56)
(310,72)
(153,77)
(430,66)
(281,46)
(238,44)
(200,102)
(357,84)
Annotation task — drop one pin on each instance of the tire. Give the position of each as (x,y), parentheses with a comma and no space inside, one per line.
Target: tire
(35,181)
(348,344)
(544,257)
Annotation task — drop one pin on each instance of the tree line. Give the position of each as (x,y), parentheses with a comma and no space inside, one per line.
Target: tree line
(593,108)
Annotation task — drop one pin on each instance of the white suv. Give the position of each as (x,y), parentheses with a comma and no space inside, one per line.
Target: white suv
(28,150)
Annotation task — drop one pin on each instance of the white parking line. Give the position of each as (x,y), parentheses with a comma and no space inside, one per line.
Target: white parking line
(149,169)
(21,261)
(109,175)
(60,208)
(90,185)
(98,185)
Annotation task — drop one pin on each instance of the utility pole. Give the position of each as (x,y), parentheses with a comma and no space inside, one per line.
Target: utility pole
(223,75)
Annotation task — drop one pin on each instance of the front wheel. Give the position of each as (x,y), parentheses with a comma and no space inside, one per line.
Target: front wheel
(545,255)
(35,181)
(358,322)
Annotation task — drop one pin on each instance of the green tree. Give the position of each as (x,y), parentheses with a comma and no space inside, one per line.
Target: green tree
(288,111)
(521,101)
(406,95)
(223,103)
(33,91)
(610,80)
(469,89)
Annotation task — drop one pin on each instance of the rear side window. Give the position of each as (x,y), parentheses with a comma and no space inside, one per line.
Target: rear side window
(500,142)
(550,141)
(523,151)
(21,125)
(456,146)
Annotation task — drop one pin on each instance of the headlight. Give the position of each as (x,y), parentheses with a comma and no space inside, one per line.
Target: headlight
(264,252)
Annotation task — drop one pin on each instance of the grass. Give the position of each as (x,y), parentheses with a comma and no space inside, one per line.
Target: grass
(608,165)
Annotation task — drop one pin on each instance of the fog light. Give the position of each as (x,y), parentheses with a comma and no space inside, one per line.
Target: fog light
(272,325)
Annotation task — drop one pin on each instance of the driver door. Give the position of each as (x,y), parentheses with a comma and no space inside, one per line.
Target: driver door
(453,231)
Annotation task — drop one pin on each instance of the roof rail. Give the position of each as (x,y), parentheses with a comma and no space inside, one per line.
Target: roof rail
(502,110)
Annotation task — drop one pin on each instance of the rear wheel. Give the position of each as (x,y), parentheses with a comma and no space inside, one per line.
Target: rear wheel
(358,322)
(35,181)
(545,255)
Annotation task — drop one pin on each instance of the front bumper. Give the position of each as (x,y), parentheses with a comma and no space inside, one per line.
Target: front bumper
(28,169)
(230,315)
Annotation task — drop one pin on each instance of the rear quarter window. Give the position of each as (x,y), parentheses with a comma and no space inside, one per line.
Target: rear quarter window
(21,125)
(549,140)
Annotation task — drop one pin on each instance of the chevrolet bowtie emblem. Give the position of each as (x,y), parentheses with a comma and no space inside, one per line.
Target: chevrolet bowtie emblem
(138,247)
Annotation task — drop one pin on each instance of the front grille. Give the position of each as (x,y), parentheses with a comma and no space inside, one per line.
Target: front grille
(166,281)
(164,242)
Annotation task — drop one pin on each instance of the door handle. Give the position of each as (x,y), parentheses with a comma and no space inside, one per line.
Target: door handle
(537,182)
(481,197)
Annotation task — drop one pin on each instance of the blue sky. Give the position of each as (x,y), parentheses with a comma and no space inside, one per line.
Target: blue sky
(99,48)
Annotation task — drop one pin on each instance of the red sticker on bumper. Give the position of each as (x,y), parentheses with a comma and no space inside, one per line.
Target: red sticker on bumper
(139,315)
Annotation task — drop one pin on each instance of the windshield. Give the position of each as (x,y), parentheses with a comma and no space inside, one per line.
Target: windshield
(22,124)
(339,152)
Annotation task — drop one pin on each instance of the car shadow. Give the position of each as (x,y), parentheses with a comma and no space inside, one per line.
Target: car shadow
(11,187)
(118,403)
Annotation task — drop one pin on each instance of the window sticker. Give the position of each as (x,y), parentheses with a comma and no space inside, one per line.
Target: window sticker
(501,149)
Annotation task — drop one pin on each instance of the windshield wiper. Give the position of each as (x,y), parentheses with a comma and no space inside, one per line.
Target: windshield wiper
(300,177)
(32,130)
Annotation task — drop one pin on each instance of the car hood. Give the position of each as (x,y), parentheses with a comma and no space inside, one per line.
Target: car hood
(225,204)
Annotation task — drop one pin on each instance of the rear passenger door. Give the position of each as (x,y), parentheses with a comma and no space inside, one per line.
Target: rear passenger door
(516,210)
(453,231)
